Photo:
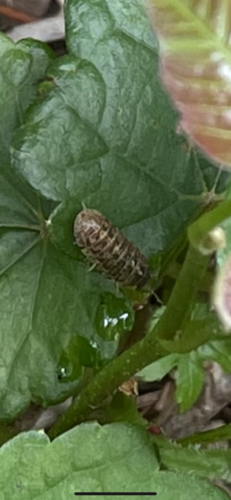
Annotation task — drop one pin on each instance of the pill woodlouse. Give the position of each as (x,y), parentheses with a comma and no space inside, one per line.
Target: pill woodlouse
(106,247)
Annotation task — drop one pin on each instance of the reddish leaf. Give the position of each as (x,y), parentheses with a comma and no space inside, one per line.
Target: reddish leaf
(195,41)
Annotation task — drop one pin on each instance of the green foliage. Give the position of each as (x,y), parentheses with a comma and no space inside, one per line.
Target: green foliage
(189,375)
(208,437)
(100,130)
(22,66)
(122,408)
(113,458)
(200,462)
(158,369)
(205,335)
(190,379)
(96,128)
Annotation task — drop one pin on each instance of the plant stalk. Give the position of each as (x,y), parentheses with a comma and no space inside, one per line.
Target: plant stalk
(202,226)
(179,304)
(142,353)
(107,381)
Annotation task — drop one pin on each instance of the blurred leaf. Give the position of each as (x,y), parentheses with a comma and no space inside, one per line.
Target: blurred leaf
(158,369)
(189,381)
(206,463)
(222,433)
(90,458)
(195,334)
(201,310)
(187,360)
(195,43)
(218,351)
(190,372)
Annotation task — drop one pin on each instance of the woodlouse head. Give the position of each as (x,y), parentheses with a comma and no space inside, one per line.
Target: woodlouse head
(87,223)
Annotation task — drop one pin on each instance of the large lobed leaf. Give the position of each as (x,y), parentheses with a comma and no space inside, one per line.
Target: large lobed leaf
(92,459)
(100,131)
(196,67)
(47,320)
(104,133)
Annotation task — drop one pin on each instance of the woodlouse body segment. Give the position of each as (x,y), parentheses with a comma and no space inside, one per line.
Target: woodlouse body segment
(104,245)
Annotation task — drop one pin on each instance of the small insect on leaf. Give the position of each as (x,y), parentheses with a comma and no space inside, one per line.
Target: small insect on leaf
(106,247)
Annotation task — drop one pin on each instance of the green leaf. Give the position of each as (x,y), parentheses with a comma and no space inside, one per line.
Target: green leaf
(123,408)
(194,335)
(90,458)
(196,67)
(49,303)
(104,133)
(158,369)
(97,130)
(206,463)
(189,381)
(113,317)
(190,373)
(47,310)
(222,433)
(22,66)
(218,351)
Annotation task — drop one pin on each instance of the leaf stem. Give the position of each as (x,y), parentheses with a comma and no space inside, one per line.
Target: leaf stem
(107,381)
(191,274)
(209,220)
(142,353)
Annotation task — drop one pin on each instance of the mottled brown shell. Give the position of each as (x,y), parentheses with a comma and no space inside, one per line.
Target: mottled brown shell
(105,246)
